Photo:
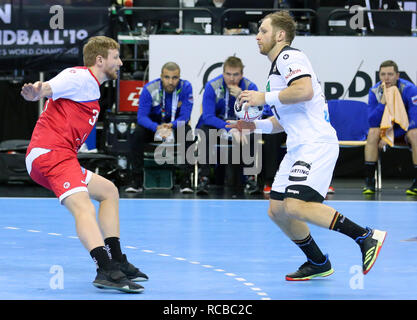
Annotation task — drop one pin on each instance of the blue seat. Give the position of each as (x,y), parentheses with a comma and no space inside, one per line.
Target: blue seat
(350,120)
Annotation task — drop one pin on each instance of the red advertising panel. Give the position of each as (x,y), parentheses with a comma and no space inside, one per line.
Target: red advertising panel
(129,95)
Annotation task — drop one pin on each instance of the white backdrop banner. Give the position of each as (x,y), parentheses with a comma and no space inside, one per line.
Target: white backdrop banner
(347,67)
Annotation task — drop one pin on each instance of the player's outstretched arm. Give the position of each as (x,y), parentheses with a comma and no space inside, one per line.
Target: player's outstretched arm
(36,91)
(241,125)
(269,125)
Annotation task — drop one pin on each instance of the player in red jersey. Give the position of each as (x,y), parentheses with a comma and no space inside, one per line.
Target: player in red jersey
(69,115)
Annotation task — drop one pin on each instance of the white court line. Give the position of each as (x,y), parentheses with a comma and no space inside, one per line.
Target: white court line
(207,266)
(230,274)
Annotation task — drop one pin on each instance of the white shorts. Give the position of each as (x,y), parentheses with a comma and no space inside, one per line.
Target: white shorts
(306,172)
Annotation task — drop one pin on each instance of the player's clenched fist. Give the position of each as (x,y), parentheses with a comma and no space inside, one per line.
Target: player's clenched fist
(31,92)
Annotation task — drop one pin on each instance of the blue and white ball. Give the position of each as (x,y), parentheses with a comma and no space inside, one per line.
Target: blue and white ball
(247,113)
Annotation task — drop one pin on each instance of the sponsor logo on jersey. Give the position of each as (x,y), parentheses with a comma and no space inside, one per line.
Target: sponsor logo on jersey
(292,73)
(414,100)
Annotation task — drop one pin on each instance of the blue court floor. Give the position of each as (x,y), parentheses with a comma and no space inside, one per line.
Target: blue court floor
(203,250)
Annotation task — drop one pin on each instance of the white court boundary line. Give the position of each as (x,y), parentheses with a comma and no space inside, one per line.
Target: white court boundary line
(258,291)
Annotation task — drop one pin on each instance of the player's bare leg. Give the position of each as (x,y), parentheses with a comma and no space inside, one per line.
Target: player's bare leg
(107,194)
(84,213)
(109,275)
(293,228)
(313,212)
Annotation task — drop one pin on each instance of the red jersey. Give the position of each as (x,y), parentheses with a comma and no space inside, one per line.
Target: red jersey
(71,113)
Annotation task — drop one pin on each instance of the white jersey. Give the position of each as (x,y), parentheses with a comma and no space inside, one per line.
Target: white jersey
(306,122)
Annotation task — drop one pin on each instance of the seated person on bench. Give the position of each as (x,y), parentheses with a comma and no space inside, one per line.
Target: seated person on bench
(165,104)
(390,76)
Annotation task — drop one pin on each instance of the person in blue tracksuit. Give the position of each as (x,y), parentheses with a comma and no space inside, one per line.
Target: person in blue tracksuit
(388,73)
(165,104)
(219,98)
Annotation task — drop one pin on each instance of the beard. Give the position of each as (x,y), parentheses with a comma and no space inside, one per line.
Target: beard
(169,88)
(267,47)
(111,75)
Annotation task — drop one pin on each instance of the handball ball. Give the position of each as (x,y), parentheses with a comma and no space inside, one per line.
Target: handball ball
(247,113)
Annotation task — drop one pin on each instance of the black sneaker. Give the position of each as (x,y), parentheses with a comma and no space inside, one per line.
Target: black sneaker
(369,186)
(134,188)
(251,186)
(412,191)
(310,270)
(117,280)
(370,245)
(131,272)
(185,186)
(202,188)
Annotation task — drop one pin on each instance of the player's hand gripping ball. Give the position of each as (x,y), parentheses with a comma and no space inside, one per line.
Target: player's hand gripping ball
(247,113)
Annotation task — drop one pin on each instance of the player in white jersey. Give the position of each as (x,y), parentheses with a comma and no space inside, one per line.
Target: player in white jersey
(305,173)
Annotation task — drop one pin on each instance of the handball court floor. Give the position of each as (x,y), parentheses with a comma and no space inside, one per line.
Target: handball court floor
(220,247)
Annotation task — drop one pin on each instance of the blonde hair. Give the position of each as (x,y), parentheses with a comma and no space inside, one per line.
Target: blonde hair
(98,46)
(233,62)
(283,20)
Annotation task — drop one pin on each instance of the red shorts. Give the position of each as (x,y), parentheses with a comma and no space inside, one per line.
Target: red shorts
(58,171)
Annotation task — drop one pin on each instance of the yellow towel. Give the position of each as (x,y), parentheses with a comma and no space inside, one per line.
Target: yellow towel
(394,113)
